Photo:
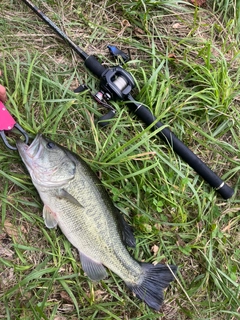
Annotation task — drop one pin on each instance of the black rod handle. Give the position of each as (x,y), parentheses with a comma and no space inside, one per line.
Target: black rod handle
(145,115)
(94,66)
(183,151)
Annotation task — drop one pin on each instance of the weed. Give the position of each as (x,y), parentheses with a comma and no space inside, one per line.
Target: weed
(185,61)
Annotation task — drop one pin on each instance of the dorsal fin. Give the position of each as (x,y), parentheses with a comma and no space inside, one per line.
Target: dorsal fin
(127,232)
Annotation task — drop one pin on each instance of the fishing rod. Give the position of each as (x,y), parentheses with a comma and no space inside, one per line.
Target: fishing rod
(117,84)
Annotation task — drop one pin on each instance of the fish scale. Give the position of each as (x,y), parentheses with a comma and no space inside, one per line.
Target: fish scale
(75,200)
(83,223)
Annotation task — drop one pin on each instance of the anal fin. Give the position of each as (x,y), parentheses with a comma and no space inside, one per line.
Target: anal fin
(94,270)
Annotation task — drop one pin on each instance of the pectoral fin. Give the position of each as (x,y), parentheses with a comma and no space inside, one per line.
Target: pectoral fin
(49,218)
(63,194)
(94,270)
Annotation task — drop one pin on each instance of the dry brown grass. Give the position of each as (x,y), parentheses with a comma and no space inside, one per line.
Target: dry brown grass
(40,273)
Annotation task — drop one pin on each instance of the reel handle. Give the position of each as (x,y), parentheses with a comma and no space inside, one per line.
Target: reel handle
(103,121)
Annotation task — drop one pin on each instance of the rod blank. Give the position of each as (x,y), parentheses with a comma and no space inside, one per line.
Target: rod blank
(145,115)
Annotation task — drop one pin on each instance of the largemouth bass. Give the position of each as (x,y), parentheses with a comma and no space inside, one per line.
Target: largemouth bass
(75,200)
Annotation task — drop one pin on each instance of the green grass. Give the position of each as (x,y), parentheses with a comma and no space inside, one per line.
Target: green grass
(185,61)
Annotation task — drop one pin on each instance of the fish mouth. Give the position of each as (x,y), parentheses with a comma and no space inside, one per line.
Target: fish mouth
(31,151)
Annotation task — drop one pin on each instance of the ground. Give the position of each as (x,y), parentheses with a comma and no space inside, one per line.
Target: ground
(185,61)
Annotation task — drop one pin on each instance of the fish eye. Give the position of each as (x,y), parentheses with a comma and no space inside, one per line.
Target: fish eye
(50,145)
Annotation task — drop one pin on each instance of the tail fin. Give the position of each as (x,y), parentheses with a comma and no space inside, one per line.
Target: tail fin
(155,279)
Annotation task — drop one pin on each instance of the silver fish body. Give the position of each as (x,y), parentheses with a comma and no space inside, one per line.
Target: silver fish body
(75,200)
